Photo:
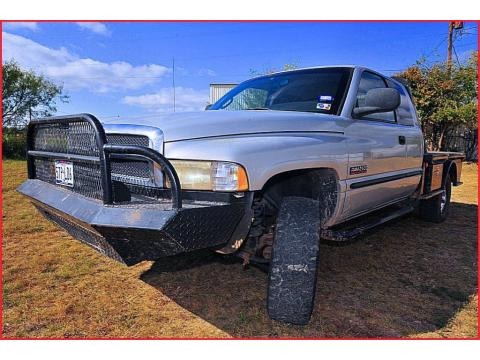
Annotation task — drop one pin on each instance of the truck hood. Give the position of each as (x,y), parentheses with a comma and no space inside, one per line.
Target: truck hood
(203,124)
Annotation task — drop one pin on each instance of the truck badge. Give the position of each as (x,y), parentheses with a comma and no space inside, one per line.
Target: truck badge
(359,169)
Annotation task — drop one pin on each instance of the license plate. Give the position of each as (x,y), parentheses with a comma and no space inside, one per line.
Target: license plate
(64,173)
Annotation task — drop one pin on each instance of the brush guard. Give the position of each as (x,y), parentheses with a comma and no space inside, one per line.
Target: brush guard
(112,216)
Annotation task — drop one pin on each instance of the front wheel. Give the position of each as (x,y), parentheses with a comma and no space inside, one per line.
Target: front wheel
(293,267)
(436,209)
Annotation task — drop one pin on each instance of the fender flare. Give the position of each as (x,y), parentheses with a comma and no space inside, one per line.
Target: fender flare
(447,169)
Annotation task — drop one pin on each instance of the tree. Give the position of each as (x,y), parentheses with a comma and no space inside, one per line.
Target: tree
(286,67)
(27,95)
(445,100)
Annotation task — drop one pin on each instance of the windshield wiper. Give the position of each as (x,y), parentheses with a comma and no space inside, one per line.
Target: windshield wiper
(257,108)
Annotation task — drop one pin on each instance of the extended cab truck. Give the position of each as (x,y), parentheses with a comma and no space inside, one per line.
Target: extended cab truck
(275,165)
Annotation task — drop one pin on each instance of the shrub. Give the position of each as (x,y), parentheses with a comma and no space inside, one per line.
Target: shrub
(14,143)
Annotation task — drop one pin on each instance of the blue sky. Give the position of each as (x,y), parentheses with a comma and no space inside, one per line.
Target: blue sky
(125,69)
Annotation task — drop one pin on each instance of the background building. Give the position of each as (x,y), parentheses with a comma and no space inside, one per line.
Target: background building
(218,90)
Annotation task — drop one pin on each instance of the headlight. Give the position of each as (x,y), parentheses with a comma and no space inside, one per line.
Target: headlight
(210,175)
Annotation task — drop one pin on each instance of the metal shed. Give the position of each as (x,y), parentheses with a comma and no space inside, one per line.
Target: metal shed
(218,90)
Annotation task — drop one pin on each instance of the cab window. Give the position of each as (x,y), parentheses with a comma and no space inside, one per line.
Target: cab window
(370,81)
(405,112)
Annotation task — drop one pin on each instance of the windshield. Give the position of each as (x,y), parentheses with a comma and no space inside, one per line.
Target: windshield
(313,90)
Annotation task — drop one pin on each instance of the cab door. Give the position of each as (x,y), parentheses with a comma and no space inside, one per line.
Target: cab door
(379,172)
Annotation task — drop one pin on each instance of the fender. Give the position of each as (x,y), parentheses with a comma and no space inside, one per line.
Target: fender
(266,155)
(447,169)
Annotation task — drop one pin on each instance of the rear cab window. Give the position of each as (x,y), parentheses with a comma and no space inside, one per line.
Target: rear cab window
(406,111)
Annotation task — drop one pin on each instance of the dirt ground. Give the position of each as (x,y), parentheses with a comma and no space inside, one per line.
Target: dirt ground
(407,279)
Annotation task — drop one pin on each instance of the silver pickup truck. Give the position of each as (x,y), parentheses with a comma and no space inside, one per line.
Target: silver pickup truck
(279,163)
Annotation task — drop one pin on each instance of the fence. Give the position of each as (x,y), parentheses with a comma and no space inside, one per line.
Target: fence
(463,140)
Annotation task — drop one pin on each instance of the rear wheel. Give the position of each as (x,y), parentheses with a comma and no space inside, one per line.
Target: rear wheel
(436,209)
(293,267)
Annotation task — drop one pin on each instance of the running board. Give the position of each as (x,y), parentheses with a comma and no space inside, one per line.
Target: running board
(349,234)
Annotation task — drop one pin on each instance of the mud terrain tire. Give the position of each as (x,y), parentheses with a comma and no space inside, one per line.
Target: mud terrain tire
(293,268)
(436,208)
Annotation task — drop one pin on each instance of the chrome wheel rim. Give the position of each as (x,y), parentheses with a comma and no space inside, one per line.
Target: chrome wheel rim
(443,201)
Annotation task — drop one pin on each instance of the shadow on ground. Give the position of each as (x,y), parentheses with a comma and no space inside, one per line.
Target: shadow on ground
(407,277)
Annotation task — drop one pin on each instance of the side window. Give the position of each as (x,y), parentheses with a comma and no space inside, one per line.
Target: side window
(370,81)
(405,112)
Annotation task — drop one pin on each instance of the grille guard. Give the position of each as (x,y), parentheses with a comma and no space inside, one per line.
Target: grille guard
(105,152)
(99,215)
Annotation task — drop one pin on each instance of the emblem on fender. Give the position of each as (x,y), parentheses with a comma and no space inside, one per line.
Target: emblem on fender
(359,169)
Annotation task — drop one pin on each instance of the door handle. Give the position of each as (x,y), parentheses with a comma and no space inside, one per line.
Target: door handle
(402,140)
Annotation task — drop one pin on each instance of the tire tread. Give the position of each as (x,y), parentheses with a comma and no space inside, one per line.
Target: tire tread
(293,268)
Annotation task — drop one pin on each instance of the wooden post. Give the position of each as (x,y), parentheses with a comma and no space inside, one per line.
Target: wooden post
(449,49)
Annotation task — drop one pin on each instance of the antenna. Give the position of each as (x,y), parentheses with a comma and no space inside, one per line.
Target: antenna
(173,82)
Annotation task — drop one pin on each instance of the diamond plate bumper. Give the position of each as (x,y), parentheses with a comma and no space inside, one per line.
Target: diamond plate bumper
(131,232)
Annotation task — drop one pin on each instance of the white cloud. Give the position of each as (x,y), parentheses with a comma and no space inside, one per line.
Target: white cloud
(30,25)
(206,72)
(186,99)
(95,27)
(79,73)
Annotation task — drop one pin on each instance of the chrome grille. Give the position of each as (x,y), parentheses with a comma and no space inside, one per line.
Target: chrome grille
(135,172)
(125,139)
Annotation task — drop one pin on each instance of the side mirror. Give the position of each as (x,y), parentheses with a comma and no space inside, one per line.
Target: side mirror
(208,106)
(378,101)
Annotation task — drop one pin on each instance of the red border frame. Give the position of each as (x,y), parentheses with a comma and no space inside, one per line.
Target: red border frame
(241,21)
(478,189)
(1,185)
(247,338)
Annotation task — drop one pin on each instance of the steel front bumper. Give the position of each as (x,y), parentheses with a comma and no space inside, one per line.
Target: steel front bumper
(118,218)
(134,232)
